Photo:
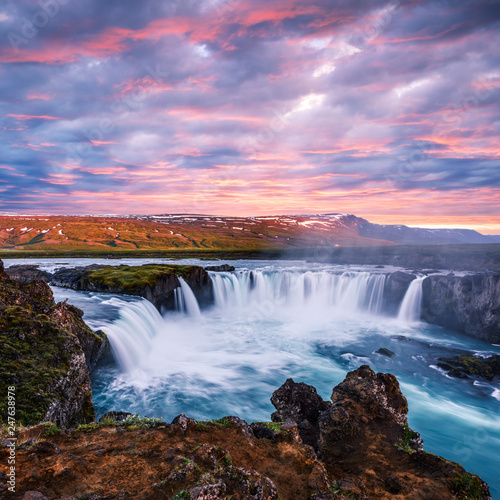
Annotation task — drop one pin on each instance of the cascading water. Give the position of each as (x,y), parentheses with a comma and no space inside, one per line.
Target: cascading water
(276,320)
(411,307)
(131,334)
(260,295)
(347,291)
(187,300)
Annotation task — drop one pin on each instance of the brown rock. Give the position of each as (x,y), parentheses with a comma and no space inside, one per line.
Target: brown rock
(34,495)
(183,422)
(318,478)
(208,492)
(302,404)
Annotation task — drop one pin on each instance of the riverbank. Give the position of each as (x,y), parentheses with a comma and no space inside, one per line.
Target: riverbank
(477,258)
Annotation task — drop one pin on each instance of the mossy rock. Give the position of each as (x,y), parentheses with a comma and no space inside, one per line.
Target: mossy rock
(135,278)
(469,366)
(40,357)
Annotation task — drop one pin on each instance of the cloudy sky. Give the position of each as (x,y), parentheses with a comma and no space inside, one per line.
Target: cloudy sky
(390,111)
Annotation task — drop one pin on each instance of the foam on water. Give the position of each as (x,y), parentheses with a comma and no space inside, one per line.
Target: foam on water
(313,325)
(496,394)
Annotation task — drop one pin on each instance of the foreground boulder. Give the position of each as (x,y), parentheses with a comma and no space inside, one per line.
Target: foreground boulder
(365,450)
(364,403)
(363,438)
(302,404)
(46,351)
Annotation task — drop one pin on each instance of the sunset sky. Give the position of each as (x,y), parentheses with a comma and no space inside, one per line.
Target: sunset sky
(387,110)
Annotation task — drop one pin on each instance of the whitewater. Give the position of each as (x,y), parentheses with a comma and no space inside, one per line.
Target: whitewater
(273,320)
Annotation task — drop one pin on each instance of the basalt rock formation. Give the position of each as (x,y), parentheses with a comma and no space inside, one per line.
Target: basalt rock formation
(469,304)
(27,272)
(363,438)
(154,282)
(223,268)
(466,304)
(46,351)
(300,403)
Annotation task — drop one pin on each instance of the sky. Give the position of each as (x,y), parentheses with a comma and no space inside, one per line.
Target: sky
(386,110)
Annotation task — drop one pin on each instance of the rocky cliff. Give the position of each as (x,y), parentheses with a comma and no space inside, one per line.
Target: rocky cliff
(154,282)
(46,352)
(362,448)
(469,304)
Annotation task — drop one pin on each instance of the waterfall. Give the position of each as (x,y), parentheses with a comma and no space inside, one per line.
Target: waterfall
(349,291)
(258,295)
(130,335)
(411,307)
(186,300)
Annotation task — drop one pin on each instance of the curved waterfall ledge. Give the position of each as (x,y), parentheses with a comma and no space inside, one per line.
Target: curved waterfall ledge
(467,304)
(155,282)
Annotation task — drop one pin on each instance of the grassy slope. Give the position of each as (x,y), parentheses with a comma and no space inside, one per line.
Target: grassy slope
(107,234)
(228,238)
(136,277)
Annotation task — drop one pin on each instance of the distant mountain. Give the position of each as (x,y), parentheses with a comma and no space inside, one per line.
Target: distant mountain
(207,232)
(421,236)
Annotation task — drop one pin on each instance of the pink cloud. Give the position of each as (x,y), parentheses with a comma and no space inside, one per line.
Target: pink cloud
(33,117)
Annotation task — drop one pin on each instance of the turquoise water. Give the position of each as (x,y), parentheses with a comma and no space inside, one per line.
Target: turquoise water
(230,359)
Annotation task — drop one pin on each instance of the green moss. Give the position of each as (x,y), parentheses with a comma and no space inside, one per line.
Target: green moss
(136,278)
(107,421)
(274,426)
(181,495)
(91,427)
(50,429)
(223,422)
(339,492)
(35,353)
(471,366)
(404,443)
(187,461)
(138,422)
(467,486)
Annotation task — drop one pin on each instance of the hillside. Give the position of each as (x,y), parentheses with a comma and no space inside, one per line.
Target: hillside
(179,232)
(183,232)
